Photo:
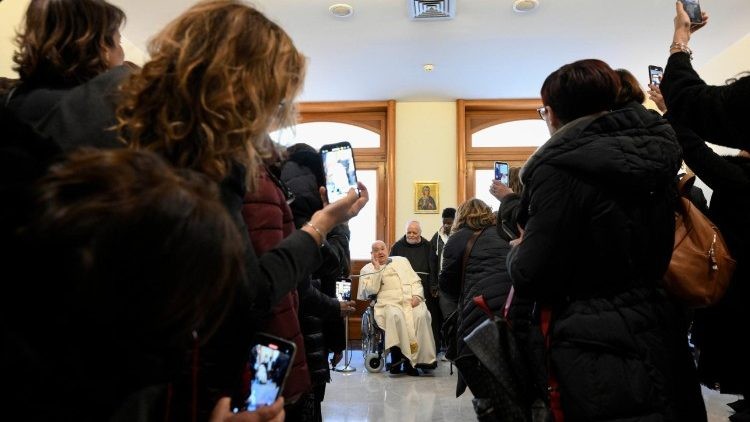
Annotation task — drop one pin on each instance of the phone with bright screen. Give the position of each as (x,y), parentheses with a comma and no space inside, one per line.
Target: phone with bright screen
(344,290)
(270,363)
(655,74)
(341,174)
(502,170)
(693,9)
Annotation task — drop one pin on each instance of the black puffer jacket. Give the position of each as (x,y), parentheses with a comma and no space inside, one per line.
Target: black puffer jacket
(599,230)
(722,360)
(485,275)
(320,319)
(716,113)
(507,217)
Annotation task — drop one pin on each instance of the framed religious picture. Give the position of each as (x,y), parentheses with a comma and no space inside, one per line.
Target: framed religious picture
(426,197)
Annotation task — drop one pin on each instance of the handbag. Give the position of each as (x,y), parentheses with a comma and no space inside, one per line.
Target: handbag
(701,267)
(497,349)
(449,329)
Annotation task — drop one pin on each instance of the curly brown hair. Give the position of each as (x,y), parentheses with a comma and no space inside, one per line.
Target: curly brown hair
(65,42)
(221,77)
(474,214)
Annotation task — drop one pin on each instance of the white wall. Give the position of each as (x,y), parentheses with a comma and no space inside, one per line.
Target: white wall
(12,12)
(425,151)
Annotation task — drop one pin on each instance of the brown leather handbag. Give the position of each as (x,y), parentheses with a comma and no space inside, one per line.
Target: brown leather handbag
(701,267)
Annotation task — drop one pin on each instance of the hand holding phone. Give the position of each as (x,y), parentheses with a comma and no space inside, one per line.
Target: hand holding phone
(502,171)
(693,9)
(655,74)
(341,174)
(344,290)
(270,363)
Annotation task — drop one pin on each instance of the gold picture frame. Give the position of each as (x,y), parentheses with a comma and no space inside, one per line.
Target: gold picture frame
(426,197)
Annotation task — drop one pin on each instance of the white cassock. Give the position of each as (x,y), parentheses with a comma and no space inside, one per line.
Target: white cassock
(408,328)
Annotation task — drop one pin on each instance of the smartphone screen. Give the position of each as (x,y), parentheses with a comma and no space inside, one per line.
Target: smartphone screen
(270,362)
(338,164)
(344,290)
(501,172)
(655,74)
(693,9)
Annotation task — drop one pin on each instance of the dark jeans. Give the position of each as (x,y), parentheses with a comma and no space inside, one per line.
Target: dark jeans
(433,305)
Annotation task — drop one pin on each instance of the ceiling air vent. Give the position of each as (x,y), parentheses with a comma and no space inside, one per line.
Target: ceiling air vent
(432,9)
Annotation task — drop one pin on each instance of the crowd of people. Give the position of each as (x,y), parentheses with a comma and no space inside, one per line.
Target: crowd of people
(152,228)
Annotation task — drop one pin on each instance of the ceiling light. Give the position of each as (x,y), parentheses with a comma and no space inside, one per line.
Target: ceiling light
(428,67)
(341,10)
(522,6)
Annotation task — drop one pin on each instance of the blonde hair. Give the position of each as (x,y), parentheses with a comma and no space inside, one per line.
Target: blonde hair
(221,77)
(474,214)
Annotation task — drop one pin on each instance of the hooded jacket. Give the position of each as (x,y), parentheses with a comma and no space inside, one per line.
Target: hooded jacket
(598,207)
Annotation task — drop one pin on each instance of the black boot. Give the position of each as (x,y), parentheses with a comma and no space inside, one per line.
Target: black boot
(397,359)
(410,370)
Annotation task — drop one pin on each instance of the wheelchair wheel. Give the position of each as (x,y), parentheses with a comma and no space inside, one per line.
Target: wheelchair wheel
(374,362)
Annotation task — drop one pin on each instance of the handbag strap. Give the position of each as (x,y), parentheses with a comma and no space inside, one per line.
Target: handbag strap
(467,252)
(554,385)
(482,304)
(685,184)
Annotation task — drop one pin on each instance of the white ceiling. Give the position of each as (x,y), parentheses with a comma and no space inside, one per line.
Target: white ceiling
(487,51)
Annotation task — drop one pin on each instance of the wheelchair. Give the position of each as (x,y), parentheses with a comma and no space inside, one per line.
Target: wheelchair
(373,339)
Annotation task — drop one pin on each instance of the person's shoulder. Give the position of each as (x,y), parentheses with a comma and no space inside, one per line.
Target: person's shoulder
(367,268)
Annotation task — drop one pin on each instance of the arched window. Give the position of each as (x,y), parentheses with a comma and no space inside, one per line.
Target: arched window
(368,127)
(489,131)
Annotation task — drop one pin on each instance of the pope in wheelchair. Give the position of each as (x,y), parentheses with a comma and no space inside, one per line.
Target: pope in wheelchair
(399,310)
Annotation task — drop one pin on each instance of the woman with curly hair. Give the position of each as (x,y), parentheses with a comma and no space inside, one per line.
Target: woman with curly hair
(483,273)
(221,77)
(63,44)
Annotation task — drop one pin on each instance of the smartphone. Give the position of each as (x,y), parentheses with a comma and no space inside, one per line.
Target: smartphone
(341,174)
(501,172)
(270,363)
(693,10)
(655,74)
(344,290)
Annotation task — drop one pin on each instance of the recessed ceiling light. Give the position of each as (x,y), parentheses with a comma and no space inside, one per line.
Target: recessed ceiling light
(428,67)
(523,6)
(341,10)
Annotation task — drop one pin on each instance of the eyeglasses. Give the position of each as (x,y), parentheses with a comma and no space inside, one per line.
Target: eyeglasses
(542,112)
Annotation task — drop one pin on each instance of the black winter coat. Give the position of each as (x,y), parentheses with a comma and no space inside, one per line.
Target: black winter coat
(486,274)
(83,115)
(716,113)
(320,319)
(599,227)
(722,360)
(507,217)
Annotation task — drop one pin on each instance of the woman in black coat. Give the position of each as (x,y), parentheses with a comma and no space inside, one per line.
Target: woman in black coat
(599,229)
(485,274)
(320,312)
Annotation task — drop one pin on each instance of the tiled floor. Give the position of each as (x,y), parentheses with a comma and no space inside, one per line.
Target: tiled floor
(362,396)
